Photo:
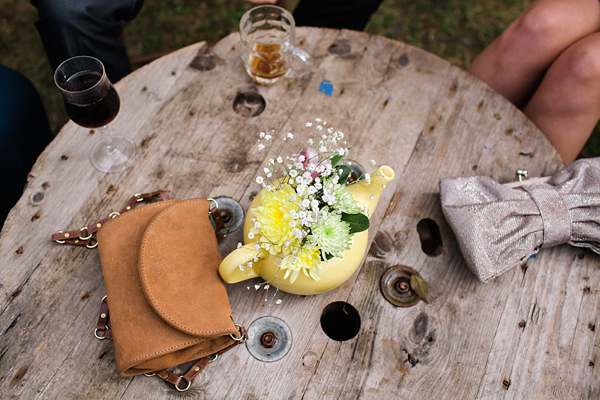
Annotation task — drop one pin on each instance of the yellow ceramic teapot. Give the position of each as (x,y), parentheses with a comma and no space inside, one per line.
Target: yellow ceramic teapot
(333,272)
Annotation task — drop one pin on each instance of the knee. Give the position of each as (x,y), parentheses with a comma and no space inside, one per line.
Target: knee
(584,62)
(540,24)
(537,28)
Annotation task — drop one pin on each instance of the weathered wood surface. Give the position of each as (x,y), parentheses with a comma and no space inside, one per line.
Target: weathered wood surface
(528,334)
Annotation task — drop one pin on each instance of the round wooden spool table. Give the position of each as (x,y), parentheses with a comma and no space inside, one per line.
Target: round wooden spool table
(195,115)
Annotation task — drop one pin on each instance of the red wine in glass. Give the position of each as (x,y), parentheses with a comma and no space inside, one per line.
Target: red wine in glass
(91,115)
(93,102)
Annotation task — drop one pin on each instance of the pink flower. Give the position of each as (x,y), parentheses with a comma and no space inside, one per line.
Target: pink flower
(311,157)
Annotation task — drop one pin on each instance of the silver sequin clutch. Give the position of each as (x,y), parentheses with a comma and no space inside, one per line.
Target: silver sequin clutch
(499,228)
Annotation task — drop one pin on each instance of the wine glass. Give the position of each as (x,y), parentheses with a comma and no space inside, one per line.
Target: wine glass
(93,102)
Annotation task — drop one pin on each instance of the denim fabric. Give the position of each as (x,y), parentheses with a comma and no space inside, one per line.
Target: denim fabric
(339,14)
(71,28)
(24,133)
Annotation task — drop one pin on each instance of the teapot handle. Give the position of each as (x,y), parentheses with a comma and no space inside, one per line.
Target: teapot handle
(230,266)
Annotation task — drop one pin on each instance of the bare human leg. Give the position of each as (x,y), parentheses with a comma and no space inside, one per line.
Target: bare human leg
(566,105)
(515,63)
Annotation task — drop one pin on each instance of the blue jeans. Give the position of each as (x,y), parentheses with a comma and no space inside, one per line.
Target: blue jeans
(339,14)
(24,133)
(71,28)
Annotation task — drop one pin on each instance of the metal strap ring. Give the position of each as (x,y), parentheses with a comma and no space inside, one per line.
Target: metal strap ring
(213,358)
(226,229)
(185,388)
(213,200)
(242,338)
(60,241)
(85,228)
(98,336)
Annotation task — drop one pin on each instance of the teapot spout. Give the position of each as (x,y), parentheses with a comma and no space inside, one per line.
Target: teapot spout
(367,194)
(230,266)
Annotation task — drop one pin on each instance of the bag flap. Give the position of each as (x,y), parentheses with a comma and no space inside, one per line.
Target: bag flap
(178,268)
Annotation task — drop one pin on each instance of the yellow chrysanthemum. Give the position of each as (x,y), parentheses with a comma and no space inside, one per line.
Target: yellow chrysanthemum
(307,260)
(276,223)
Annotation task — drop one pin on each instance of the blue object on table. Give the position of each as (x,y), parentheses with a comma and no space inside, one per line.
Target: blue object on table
(326,87)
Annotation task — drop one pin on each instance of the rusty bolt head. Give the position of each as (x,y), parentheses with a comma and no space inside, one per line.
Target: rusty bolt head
(225,215)
(268,339)
(395,286)
(401,287)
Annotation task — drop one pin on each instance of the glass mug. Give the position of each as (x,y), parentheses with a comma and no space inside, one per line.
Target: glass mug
(268,46)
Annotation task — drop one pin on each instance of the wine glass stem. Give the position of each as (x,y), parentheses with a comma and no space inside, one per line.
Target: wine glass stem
(106,136)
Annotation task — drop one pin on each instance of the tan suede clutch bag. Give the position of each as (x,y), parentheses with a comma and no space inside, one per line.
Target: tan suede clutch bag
(168,304)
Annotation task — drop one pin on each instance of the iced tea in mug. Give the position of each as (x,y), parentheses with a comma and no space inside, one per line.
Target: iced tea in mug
(267,36)
(266,62)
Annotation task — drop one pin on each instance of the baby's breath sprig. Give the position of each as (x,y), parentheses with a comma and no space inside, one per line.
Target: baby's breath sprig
(266,287)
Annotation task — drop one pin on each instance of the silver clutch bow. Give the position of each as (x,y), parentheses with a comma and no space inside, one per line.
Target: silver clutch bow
(498,227)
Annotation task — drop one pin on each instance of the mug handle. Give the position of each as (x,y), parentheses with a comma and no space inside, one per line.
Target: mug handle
(230,266)
(301,64)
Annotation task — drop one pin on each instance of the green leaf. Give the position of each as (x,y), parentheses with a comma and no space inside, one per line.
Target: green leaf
(420,287)
(328,256)
(335,160)
(344,174)
(357,222)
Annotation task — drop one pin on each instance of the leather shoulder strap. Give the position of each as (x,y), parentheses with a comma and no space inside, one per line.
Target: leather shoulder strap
(86,236)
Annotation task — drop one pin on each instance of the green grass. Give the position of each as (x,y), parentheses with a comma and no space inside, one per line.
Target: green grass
(456,30)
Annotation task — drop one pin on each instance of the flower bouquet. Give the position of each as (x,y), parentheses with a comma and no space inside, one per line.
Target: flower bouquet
(310,214)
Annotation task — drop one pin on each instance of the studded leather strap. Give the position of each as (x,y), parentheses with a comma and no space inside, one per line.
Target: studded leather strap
(222,229)
(86,236)
(103,332)
(188,377)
